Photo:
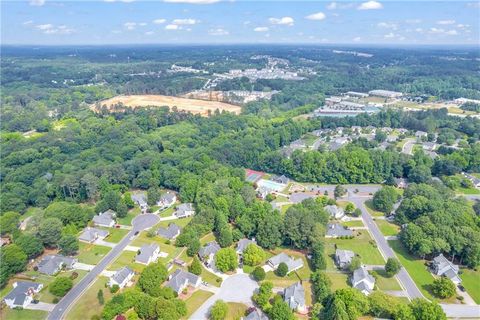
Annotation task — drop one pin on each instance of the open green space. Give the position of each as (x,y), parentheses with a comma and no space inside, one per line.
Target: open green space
(387,228)
(116,235)
(235,310)
(211,278)
(22,314)
(127,258)
(87,305)
(471,282)
(353,223)
(167,212)
(301,274)
(196,300)
(362,245)
(339,280)
(91,253)
(385,283)
(127,220)
(371,210)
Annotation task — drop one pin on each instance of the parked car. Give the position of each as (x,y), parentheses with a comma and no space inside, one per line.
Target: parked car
(462,288)
(137,232)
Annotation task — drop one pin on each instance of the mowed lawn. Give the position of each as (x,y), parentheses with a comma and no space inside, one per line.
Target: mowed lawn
(236,310)
(385,283)
(353,223)
(471,282)
(127,258)
(362,245)
(301,274)
(371,210)
(127,220)
(116,235)
(415,267)
(196,300)
(387,228)
(339,280)
(91,253)
(23,314)
(88,305)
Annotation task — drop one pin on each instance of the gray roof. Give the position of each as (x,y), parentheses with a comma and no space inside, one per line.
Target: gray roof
(281,179)
(140,198)
(122,274)
(243,244)
(361,274)
(21,291)
(442,264)
(180,278)
(208,249)
(334,210)
(90,234)
(167,197)
(294,295)
(105,218)
(337,230)
(299,197)
(181,209)
(146,252)
(169,233)
(256,315)
(51,264)
(292,264)
(344,256)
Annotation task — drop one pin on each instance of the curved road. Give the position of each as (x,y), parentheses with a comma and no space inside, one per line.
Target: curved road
(139,223)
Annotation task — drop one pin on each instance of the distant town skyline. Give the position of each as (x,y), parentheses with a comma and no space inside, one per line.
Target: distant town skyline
(44,22)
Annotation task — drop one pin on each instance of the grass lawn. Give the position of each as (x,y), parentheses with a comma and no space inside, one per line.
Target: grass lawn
(281,199)
(415,267)
(196,300)
(362,245)
(127,220)
(471,282)
(339,280)
(162,243)
(12,314)
(384,283)
(285,208)
(127,258)
(387,228)
(371,210)
(211,278)
(468,190)
(353,223)
(301,274)
(207,238)
(235,310)
(307,286)
(91,253)
(88,306)
(116,235)
(167,212)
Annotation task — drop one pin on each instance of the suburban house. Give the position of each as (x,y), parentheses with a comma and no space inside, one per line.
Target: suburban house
(91,234)
(292,264)
(52,264)
(294,296)
(105,219)
(22,294)
(335,211)
(441,266)
(207,253)
(343,258)
(121,277)
(401,183)
(281,179)
(475,181)
(363,281)
(185,210)
(167,200)
(148,253)
(430,146)
(141,200)
(243,244)
(169,233)
(335,230)
(421,134)
(180,279)
(256,314)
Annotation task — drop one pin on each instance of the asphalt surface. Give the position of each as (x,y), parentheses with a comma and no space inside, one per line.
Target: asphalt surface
(139,223)
(408,146)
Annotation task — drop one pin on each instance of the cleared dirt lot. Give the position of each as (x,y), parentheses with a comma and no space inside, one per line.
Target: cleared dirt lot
(195,106)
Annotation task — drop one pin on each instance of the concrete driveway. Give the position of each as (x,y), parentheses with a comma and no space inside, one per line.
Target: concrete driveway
(41,306)
(237,288)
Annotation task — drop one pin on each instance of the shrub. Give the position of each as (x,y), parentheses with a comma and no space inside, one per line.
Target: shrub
(74,275)
(282,270)
(219,310)
(443,288)
(259,274)
(114,288)
(60,286)
(392,267)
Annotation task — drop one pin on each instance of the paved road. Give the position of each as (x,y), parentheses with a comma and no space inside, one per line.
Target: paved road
(408,146)
(385,250)
(140,223)
(237,288)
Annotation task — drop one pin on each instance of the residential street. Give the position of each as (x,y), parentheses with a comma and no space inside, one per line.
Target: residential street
(408,146)
(141,222)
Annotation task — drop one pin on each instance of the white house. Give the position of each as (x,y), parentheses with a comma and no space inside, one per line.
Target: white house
(292,264)
(335,211)
(294,296)
(441,266)
(105,219)
(207,253)
(167,200)
(22,294)
(180,279)
(363,281)
(185,210)
(121,277)
(148,253)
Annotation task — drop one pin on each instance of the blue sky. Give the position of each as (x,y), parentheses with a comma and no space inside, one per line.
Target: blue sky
(217,22)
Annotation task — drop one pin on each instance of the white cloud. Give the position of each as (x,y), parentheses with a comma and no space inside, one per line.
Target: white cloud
(37,3)
(124,1)
(26,23)
(445,22)
(357,39)
(387,25)
(282,21)
(130,25)
(413,21)
(218,32)
(261,29)
(159,21)
(370,5)
(142,24)
(171,27)
(193,1)
(51,29)
(44,26)
(419,29)
(149,33)
(389,35)
(332,6)
(436,30)
(184,21)
(451,32)
(316,16)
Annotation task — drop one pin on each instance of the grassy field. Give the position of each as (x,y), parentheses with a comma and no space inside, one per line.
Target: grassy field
(362,245)
(163,244)
(207,238)
(116,235)
(353,223)
(235,311)
(127,220)
(371,210)
(471,282)
(468,190)
(415,267)
(88,306)
(11,314)
(127,258)
(210,278)
(167,213)
(196,300)
(387,228)
(91,253)
(195,106)
(385,283)
(339,280)
(301,274)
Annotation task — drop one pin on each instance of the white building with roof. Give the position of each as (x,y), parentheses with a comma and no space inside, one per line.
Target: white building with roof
(148,253)
(121,278)
(292,264)
(294,296)
(343,258)
(362,280)
(441,266)
(22,294)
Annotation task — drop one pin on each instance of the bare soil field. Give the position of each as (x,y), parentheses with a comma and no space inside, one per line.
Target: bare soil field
(195,106)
